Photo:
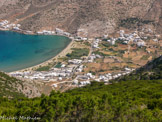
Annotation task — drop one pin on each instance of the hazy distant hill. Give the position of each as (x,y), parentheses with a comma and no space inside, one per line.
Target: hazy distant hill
(94,17)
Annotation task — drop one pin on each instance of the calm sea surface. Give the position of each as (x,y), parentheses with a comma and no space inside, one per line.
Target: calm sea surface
(18,51)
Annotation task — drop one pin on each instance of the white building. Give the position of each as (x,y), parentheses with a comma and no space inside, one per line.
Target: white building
(75,61)
(140,43)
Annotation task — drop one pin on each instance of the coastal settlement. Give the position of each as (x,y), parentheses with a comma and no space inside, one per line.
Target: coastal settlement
(91,59)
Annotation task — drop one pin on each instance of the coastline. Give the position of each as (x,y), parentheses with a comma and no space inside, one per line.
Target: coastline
(18,31)
(61,54)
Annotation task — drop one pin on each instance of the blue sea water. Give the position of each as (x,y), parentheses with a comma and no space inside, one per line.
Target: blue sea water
(19,51)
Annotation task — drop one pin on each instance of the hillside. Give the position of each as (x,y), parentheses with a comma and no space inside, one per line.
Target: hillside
(129,100)
(152,70)
(8,86)
(14,88)
(85,17)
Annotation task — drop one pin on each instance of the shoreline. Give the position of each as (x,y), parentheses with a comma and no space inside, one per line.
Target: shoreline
(62,53)
(32,68)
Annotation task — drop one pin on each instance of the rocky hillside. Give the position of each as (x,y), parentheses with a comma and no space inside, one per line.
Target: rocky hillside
(8,86)
(85,17)
(11,87)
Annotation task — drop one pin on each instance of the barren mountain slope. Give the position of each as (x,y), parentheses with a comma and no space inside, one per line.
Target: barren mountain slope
(88,17)
(155,14)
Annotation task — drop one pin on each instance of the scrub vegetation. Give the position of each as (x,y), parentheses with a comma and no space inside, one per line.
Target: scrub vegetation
(78,53)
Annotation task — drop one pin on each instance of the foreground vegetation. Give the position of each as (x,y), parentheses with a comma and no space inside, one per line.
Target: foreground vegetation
(124,101)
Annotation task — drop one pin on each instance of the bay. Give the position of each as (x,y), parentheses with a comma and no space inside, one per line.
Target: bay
(19,51)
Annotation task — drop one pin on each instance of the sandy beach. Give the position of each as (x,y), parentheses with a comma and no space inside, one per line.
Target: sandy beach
(3,29)
(61,54)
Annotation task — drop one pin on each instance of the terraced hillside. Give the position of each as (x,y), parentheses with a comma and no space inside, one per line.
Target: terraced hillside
(90,17)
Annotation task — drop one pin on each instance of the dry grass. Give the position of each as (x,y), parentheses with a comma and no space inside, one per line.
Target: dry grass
(108,60)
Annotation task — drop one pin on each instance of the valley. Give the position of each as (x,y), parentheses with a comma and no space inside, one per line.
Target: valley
(108,69)
(99,59)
